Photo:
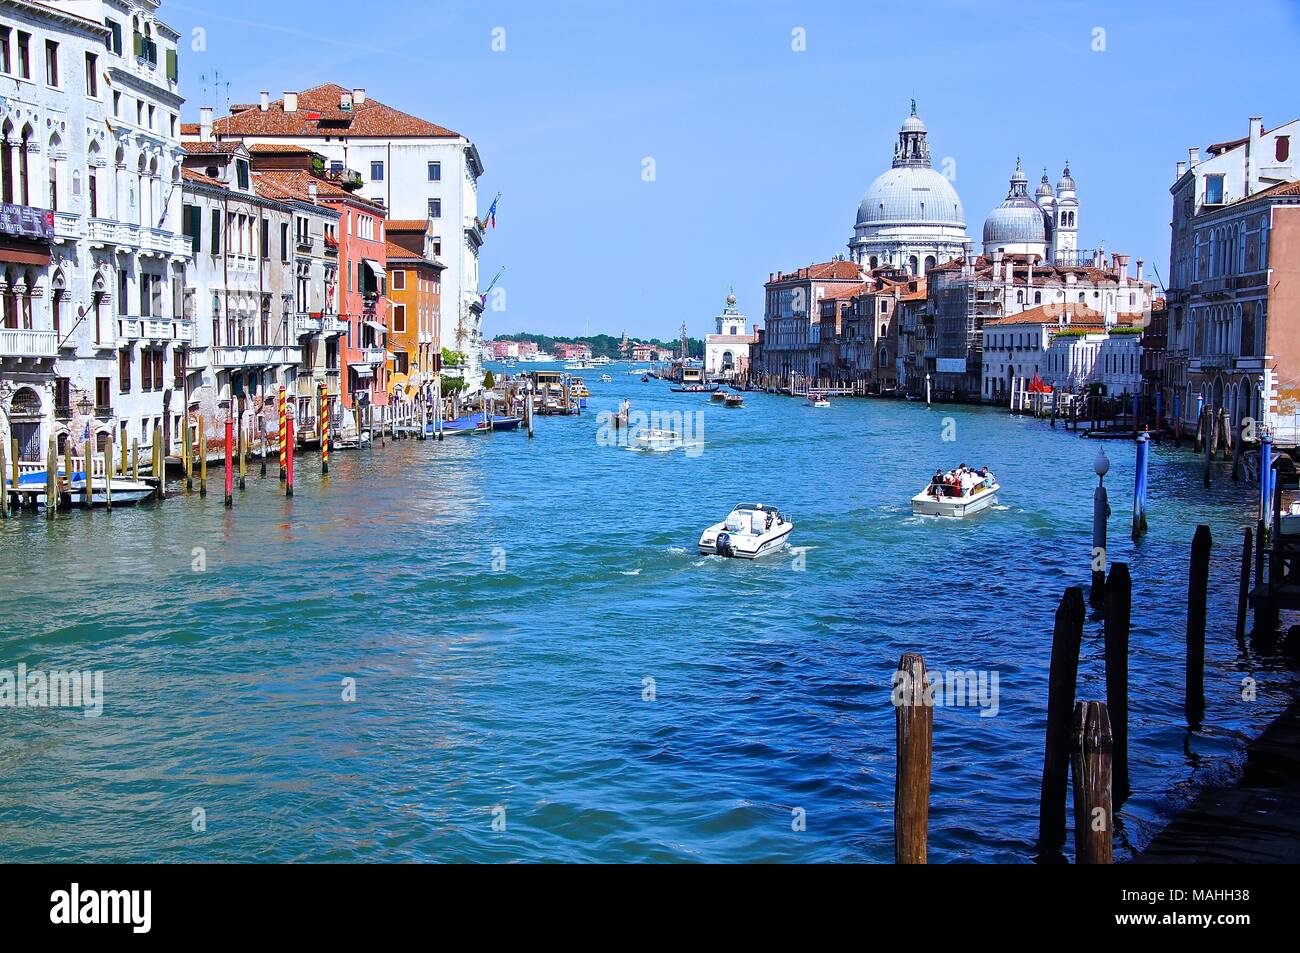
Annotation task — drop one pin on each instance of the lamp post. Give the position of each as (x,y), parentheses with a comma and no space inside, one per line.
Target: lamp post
(1100,514)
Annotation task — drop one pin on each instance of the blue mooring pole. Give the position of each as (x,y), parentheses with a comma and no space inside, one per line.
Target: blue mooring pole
(1266,479)
(1140,487)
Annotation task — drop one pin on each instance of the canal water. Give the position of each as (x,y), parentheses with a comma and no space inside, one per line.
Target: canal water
(545,669)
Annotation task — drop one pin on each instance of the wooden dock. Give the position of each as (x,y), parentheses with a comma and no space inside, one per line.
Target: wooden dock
(1254,822)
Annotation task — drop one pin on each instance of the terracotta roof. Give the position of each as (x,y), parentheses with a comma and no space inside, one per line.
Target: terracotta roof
(283,148)
(1218,148)
(319,115)
(189,129)
(406,224)
(212,148)
(1078,314)
(396,251)
(838,270)
(189,175)
(295,184)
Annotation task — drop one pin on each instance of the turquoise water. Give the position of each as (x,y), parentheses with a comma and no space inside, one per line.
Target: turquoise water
(501,604)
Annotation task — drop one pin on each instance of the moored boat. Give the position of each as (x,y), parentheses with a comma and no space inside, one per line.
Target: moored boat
(960,493)
(749,531)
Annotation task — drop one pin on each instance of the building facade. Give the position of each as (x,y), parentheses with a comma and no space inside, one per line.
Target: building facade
(726,351)
(1234,263)
(414,292)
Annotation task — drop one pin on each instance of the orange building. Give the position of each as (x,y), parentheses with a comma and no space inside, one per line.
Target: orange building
(415,295)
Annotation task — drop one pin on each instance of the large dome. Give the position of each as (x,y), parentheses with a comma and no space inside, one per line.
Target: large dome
(911,195)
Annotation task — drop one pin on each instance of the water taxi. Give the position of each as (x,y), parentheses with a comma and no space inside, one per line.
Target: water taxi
(970,492)
(656,440)
(749,531)
(734,400)
(606,379)
(816,399)
(718,396)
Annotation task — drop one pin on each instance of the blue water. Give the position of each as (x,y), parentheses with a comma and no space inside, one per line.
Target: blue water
(501,603)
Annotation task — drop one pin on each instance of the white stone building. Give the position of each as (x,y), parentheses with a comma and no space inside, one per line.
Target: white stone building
(726,352)
(90,125)
(418,169)
(910,217)
(1045,226)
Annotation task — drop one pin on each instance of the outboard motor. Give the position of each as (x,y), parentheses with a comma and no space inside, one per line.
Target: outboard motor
(724,544)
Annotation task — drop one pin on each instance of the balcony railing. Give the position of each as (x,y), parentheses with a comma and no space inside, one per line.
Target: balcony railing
(16,342)
(106,231)
(258,355)
(155,329)
(371,355)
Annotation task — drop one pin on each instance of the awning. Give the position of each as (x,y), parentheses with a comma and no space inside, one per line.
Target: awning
(363,371)
(376,268)
(378,326)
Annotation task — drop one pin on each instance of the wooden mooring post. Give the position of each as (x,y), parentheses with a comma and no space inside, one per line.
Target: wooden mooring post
(1091,750)
(914,733)
(1243,585)
(203,459)
(4,493)
(1119,613)
(1067,636)
(1198,582)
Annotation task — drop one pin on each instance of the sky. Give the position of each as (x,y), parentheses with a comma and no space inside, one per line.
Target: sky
(652,155)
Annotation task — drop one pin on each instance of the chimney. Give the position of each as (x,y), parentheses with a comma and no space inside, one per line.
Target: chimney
(345,100)
(311,192)
(1253,146)
(359,96)
(290,102)
(1193,157)
(1139,271)
(1179,169)
(205,124)
(266,100)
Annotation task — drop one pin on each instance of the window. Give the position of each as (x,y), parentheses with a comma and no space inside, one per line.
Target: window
(284,241)
(146,371)
(24,55)
(435,171)
(241,169)
(1281,148)
(113,41)
(62,396)
(435,208)
(399,318)
(178,369)
(92,75)
(377,171)
(266,238)
(103,396)
(399,281)
(124,371)
(6,60)
(117,105)
(192,225)
(51,63)
(1214,190)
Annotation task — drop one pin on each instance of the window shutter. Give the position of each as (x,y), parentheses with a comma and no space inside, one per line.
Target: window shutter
(139,43)
(172,68)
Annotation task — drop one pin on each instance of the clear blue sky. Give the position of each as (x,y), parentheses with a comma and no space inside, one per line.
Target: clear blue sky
(761,152)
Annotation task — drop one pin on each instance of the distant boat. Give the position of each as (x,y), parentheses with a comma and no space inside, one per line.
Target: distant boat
(476,424)
(735,400)
(818,400)
(695,389)
(719,396)
(125,492)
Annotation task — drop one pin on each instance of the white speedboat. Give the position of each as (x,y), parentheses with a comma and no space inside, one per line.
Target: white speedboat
(818,400)
(749,531)
(606,379)
(653,439)
(975,493)
(125,492)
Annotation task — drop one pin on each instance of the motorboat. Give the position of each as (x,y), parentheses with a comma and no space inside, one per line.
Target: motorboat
(656,440)
(32,485)
(749,531)
(700,388)
(719,396)
(816,399)
(606,379)
(735,400)
(974,491)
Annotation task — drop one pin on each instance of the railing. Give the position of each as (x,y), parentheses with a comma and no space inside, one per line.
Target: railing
(15,342)
(305,323)
(155,329)
(372,355)
(67,225)
(254,355)
(110,232)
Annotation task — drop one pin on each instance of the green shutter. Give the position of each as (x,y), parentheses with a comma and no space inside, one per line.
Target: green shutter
(139,43)
(172,70)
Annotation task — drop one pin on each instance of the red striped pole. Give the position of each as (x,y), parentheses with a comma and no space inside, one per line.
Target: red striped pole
(283,432)
(288,486)
(324,432)
(230,465)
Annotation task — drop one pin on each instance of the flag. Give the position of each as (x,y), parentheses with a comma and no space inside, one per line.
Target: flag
(492,212)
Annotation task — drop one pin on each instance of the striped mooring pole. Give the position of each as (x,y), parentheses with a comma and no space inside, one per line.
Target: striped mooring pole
(283,433)
(324,431)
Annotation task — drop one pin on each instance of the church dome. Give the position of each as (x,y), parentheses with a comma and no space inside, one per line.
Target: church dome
(1067,181)
(911,195)
(1018,220)
(1045,187)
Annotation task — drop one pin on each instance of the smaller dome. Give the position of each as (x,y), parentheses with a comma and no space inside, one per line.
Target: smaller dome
(1018,220)
(1044,187)
(913,122)
(1067,181)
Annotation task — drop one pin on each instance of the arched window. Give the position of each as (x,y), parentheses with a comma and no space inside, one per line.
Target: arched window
(1038,297)
(24,179)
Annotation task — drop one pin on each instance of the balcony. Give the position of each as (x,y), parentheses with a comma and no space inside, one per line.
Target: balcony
(309,381)
(161,330)
(28,344)
(67,227)
(254,355)
(105,232)
(370,355)
(305,323)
